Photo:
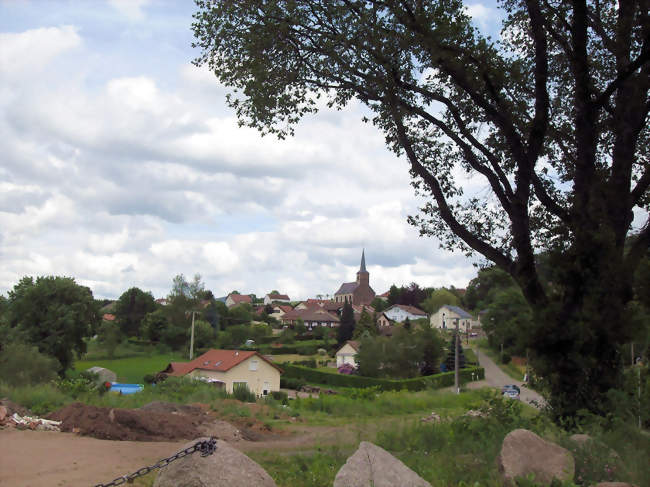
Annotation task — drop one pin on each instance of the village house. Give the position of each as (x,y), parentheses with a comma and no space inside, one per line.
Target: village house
(447,316)
(235,299)
(276,298)
(347,354)
(230,368)
(399,313)
(358,292)
(383,321)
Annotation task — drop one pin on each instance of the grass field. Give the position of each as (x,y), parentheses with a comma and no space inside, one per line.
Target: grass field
(132,369)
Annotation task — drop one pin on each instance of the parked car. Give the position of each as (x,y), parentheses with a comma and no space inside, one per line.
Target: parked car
(511,391)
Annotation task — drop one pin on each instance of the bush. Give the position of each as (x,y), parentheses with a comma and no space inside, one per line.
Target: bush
(242,393)
(436,381)
(291,383)
(280,396)
(22,365)
(149,379)
(506,358)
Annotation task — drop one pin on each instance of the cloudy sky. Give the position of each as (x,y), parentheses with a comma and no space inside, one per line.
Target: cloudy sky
(121,166)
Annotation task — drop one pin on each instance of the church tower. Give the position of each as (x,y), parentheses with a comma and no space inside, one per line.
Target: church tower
(363,276)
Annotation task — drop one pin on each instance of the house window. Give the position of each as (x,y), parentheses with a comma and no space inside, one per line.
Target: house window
(252,365)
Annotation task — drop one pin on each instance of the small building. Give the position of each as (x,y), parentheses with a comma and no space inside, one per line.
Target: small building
(399,313)
(383,321)
(235,299)
(276,298)
(230,368)
(447,315)
(347,354)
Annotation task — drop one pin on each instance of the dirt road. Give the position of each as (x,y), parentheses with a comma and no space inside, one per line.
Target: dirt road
(495,377)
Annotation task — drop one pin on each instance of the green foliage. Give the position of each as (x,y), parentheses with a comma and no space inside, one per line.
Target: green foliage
(154,325)
(54,314)
(40,399)
(131,308)
(82,384)
(366,325)
(450,361)
(345,330)
(22,364)
(203,334)
(334,379)
(242,393)
(109,337)
(508,321)
(439,298)
(488,282)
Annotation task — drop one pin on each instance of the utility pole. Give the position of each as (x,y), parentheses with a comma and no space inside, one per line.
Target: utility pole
(192,338)
(456,372)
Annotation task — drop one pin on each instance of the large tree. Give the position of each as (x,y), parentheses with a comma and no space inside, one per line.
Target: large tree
(550,122)
(131,308)
(54,314)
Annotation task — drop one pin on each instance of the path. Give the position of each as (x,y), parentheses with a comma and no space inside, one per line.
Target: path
(495,377)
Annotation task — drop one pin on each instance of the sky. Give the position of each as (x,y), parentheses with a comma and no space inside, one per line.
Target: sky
(122,166)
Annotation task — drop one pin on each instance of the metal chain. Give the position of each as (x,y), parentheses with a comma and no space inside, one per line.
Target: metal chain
(206,448)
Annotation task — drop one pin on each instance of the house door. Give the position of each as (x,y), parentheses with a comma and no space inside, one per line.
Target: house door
(266,389)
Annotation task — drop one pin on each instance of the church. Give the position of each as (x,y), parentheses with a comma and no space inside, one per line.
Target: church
(358,292)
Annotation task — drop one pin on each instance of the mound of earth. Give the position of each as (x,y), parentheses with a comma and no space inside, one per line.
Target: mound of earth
(129,424)
(170,407)
(12,408)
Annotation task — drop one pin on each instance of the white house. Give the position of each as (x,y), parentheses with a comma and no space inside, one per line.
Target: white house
(347,354)
(447,315)
(399,313)
(276,298)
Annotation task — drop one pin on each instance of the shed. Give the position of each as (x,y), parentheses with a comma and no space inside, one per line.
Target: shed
(105,375)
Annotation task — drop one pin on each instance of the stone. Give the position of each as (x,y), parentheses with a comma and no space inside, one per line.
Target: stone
(226,467)
(432,418)
(3,413)
(373,466)
(581,439)
(524,453)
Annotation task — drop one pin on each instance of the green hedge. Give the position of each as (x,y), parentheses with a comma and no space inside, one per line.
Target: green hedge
(437,381)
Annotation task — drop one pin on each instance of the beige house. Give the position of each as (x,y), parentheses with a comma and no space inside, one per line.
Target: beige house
(235,299)
(228,368)
(447,316)
(347,353)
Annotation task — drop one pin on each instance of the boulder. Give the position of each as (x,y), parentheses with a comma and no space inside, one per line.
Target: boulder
(3,413)
(524,453)
(103,375)
(373,466)
(581,439)
(226,467)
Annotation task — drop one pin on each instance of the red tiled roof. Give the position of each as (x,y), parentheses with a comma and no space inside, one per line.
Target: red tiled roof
(285,308)
(240,298)
(220,360)
(108,317)
(278,297)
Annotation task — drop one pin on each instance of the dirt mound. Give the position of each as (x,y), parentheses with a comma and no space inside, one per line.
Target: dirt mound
(128,424)
(12,408)
(170,407)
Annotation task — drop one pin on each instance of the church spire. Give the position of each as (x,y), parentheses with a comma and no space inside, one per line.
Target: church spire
(363,261)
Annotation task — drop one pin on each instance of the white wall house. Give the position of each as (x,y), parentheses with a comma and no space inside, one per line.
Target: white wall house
(276,298)
(447,315)
(399,313)
(347,354)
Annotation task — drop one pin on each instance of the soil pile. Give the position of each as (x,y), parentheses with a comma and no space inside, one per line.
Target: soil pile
(129,424)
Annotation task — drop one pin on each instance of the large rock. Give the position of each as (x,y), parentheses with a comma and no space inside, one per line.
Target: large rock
(103,375)
(226,467)
(373,466)
(524,453)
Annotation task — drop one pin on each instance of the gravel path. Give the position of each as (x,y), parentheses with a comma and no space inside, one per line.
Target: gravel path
(495,377)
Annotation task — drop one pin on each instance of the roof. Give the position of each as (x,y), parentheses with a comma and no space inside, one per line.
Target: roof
(240,298)
(219,360)
(353,343)
(459,311)
(347,288)
(362,268)
(285,308)
(310,314)
(282,297)
(108,317)
(410,309)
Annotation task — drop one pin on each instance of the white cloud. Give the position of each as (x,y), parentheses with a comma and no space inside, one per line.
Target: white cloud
(131,9)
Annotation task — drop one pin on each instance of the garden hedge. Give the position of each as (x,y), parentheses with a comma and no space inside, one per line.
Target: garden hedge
(437,381)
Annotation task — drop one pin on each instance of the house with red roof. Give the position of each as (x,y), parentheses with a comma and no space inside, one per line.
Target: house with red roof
(230,369)
(235,299)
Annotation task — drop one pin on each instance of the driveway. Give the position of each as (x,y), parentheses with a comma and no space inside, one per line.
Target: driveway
(495,377)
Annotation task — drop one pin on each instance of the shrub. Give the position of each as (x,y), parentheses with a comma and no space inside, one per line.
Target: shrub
(242,393)
(506,358)
(149,379)
(291,383)
(280,396)
(22,364)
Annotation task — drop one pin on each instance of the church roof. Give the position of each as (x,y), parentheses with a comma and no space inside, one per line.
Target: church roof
(347,288)
(363,261)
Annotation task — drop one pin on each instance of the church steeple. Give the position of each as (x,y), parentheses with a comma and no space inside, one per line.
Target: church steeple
(363,261)
(363,277)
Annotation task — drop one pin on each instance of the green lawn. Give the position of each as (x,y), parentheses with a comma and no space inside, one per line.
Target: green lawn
(132,369)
